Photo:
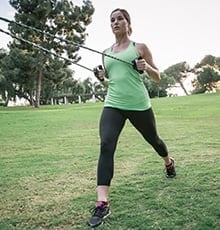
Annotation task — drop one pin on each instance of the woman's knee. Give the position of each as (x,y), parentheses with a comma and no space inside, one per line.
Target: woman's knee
(107,147)
(158,144)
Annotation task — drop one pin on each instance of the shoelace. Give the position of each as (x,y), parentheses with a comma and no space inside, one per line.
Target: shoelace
(169,165)
(98,211)
(170,168)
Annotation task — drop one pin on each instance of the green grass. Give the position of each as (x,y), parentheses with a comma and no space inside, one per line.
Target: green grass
(48,160)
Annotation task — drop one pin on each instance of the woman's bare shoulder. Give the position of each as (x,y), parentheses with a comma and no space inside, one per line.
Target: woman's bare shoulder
(143,49)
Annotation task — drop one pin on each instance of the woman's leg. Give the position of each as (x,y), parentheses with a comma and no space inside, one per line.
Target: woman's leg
(144,122)
(111,123)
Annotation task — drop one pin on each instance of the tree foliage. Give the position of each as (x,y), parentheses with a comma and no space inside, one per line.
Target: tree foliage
(209,60)
(158,89)
(208,74)
(208,78)
(58,17)
(179,71)
(43,78)
(6,87)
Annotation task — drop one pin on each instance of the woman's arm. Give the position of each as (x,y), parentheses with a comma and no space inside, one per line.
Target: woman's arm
(147,63)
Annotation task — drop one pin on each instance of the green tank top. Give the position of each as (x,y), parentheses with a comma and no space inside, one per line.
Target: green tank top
(126,89)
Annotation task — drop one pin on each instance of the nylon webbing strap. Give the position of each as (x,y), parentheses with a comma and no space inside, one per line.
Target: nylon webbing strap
(44,49)
(64,40)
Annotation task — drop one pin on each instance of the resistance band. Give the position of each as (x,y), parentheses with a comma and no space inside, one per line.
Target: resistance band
(45,50)
(66,40)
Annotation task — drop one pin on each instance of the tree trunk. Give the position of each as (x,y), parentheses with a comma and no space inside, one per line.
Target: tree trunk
(31,98)
(38,88)
(6,102)
(182,86)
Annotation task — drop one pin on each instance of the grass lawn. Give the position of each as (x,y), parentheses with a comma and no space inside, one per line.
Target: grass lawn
(48,159)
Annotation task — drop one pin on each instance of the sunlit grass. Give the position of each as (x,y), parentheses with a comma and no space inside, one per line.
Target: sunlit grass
(48,163)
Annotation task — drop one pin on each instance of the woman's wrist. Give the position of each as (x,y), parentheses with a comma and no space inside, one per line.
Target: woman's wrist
(153,73)
(148,68)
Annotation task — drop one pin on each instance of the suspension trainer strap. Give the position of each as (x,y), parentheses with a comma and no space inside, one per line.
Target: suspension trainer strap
(44,49)
(64,40)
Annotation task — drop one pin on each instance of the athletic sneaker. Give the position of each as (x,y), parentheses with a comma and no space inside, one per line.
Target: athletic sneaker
(170,169)
(100,212)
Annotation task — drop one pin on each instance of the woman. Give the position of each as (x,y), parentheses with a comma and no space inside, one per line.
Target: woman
(127,98)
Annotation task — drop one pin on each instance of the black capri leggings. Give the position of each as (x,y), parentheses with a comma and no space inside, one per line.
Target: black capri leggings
(111,123)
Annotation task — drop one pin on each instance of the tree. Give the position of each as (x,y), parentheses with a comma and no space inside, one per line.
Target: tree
(87,90)
(179,72)
(100,91)
(57,17)
(20,71)
(79,90)
(208,78)
(8,73)
(217,62)
(208,73)
(158,89)
(58,82)
(209,60)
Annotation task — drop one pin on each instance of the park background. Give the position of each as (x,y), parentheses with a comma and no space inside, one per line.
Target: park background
(177,32)
(49,153)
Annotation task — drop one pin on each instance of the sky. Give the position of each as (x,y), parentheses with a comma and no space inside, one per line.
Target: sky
(174,30)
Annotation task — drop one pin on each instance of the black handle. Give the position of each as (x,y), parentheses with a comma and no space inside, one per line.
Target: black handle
(96,72)
(135,64)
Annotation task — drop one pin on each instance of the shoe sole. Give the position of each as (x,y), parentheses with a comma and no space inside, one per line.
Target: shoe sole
(170,176)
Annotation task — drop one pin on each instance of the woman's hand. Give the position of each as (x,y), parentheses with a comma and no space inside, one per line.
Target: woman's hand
(147,63)
(99,72)
(142,65)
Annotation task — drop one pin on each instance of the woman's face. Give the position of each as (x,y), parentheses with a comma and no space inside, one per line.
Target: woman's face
(119,23)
